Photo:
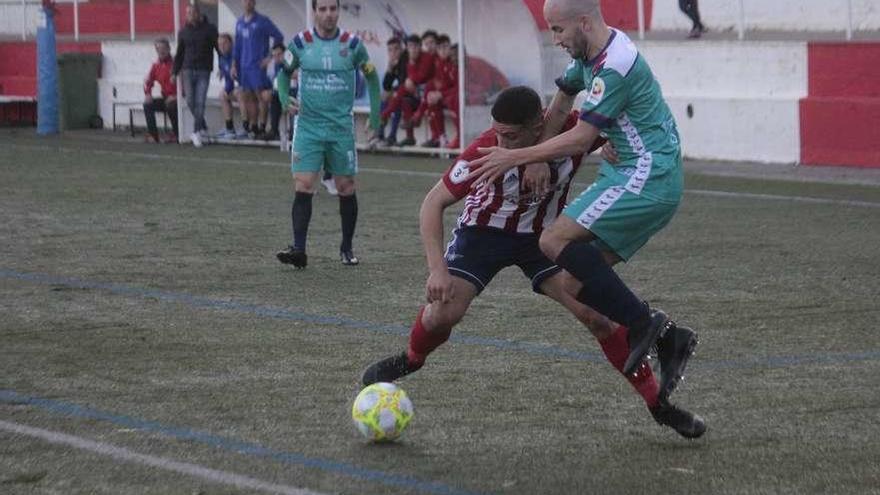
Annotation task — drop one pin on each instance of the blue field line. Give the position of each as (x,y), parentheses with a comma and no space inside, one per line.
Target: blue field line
(500,344)
(232,445)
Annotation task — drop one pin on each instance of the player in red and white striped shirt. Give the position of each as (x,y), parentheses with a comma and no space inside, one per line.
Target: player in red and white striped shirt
(500,227)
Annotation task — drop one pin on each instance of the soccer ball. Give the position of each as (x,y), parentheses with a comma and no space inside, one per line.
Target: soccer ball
(381,412)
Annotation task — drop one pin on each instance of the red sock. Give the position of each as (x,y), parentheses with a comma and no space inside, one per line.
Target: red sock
(422,342)
(616,349)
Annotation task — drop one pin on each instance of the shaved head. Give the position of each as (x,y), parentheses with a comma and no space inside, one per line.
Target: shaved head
(570,8)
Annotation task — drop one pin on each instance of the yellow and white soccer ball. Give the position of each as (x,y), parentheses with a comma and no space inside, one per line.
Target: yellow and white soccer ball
(382,411)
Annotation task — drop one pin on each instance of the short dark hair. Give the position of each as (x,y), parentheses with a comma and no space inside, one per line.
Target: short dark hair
(430,34)
(393,41)
(414,38)
(443,39)
(315,4)
(225,35)
(278,46)
(517,105)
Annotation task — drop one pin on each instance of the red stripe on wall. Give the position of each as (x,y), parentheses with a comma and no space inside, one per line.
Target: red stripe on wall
(840,131)
(840,118)
(844,69)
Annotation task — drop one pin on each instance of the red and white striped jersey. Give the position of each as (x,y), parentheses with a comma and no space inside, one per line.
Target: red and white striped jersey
(504,204)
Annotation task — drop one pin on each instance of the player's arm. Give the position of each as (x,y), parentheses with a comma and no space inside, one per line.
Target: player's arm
(439,284)
(536,177)
(236,55)
(575,141)
(362,61)
(282,79)
(373,89)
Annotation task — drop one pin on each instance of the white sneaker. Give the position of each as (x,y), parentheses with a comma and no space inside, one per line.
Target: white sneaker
(196,139)
(330,185)
(226,134)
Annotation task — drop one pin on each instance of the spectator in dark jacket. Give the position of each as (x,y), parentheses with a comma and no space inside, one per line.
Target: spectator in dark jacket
(160,72)
(194,61)
(395,75)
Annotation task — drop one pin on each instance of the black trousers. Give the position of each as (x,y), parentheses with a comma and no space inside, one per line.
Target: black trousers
(689,7)
(158,105)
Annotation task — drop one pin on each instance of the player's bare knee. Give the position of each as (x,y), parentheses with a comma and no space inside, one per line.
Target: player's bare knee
(304,184)
(439,315)
(344,185)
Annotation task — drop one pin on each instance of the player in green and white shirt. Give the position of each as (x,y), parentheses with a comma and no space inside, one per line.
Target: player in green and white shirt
(629,202)
(328,59)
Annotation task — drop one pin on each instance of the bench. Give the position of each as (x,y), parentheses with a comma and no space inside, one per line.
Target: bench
(23,104)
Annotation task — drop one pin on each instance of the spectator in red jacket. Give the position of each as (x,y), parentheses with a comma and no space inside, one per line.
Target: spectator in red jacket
(419,70)
(445,80)
(160,73)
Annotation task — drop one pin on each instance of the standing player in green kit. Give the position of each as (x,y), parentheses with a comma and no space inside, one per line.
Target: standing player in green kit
(327,58)
(631,200)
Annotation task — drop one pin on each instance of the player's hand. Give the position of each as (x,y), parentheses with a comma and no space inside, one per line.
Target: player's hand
(609,154)
(536,179)
(496,162)
(439,287)
(148,98)
(233,72)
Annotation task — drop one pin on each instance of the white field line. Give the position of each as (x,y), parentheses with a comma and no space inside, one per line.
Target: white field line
(417,173)
(122,454)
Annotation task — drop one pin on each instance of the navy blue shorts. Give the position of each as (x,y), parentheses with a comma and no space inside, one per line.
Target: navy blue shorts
(254,80)
(478,254)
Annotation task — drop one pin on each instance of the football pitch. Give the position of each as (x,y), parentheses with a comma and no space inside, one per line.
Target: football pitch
(150,343)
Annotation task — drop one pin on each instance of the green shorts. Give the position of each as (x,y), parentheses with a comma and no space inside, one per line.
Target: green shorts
(312,153)
(622,221)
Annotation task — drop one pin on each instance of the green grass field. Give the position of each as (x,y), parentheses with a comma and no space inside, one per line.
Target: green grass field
(143,309)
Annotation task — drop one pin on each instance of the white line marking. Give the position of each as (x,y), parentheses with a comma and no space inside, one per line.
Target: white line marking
(119,453)
(417,173)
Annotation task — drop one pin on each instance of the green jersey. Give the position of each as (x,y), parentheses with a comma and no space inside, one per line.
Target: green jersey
(327,77)
(624,101)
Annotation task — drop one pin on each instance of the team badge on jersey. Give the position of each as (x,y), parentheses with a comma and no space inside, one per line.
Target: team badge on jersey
(459,172)
(597,91)
(344,52)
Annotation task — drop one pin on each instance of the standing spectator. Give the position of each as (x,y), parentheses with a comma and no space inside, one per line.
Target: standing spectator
(250,59)
(194,61)
(229,93)
(395,75)
(160,72)
(690,9)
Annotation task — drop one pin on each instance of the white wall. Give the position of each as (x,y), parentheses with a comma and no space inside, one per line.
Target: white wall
(784,15)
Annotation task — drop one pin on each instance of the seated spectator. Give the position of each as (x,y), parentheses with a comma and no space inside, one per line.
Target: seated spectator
(432,106)
(228,94)
(419,70)
(160,72)
(395,75)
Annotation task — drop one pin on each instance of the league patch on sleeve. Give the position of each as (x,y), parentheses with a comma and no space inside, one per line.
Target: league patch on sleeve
(459,172)
(369,68)
(288,57)
(597,91)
